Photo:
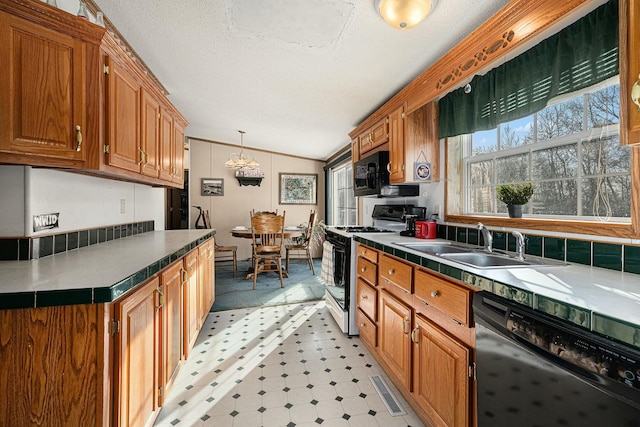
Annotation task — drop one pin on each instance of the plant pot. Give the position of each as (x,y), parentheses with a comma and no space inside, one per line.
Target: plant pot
(515,211)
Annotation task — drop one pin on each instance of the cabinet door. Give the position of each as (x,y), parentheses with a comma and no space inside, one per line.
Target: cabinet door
(629,69)
(43,86)
(206,278)
(441,375)
(166,146)
(394,338)
(190,302)
(172,285)
(123,119)
(150,137)
(138,346)
(355,150)
(177,154)
(396,146)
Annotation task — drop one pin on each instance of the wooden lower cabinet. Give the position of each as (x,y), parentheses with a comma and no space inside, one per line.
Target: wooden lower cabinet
(441,374)
(138,354)
(394,337)
(206,275)
(171,279)
(191,309)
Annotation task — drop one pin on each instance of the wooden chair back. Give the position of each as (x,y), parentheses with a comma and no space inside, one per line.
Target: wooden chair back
(267,233)
(312,220)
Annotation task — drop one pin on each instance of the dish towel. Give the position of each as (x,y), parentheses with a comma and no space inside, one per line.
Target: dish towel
(326,274)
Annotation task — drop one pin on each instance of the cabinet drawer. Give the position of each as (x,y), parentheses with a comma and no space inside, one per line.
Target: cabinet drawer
(367,299)
(368,329)
(367,270)
(368,253)
(451,299)
(394,271)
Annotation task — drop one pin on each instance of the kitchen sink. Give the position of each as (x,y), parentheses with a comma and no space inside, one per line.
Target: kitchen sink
(487,260)
(435,248)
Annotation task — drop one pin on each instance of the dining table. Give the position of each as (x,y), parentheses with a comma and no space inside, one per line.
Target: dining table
(245,233)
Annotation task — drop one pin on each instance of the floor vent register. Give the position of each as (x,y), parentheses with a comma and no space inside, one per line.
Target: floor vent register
(387,397)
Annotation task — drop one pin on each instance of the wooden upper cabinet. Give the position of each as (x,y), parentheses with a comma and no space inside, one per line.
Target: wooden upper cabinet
(43,86)
(166,145)
(355,150)
(629,70)
(397,165)
(122,118)
(177,154)
(150,139)
(374,137)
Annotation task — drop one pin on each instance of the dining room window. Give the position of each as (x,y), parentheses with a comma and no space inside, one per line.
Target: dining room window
(344,207)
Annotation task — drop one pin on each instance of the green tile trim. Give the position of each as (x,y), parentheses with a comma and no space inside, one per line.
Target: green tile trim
(430,264)
(461,235)
(477,281)
(533,245)
(617,329)
(562,310)
(472,236)
(514,294)
(632,259)
(607,255)
(18,300)
(500,240)
(579,251)
(450,271)
(66,297)
(554,248)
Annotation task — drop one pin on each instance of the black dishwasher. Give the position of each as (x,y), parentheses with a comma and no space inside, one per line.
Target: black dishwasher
(533,370)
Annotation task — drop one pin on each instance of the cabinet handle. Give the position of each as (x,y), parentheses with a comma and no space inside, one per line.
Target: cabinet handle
(362,325)
(141,154)
(78,137)
(414,337)
(404,325)
(363,269)
(635,93)
(159,289)
(184,275)
(391,271)
(364,297)
(434,294)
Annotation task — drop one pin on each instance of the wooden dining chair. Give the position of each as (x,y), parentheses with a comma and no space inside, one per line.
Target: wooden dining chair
(227,254)
(303,245)
(267,234)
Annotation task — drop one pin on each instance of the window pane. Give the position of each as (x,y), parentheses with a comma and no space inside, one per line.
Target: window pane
(482,200)
(512,169)
(561,119)
(516,133)
(481,173)
(555,162)
(555,198)
(485,141)
(604,156)
(607,197)
(603,107)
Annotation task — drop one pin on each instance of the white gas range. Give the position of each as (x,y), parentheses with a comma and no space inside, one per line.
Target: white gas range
(341,296)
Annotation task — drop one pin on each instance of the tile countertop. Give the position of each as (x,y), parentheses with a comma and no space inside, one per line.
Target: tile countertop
(93,274)
(606,301)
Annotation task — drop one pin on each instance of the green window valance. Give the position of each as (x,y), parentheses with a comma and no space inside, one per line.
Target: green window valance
(579,56)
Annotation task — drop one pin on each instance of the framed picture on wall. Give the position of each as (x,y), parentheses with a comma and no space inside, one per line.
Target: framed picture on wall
(298,188)
(212,187)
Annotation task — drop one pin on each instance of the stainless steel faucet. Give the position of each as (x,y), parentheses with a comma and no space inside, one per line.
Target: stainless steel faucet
(486,235)
(519,244)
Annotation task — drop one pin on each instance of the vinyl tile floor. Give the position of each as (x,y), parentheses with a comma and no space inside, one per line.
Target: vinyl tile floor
(286,365)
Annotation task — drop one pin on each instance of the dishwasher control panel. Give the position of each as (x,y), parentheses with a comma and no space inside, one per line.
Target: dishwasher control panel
(581,349)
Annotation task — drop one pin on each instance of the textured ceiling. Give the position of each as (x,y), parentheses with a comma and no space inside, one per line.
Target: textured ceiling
(296,75)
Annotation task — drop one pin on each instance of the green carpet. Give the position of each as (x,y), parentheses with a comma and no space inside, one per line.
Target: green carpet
(233,293)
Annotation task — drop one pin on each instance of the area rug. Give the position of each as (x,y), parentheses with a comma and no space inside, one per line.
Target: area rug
(233,293)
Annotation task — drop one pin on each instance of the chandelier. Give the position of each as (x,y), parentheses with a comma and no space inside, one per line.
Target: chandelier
(239,161)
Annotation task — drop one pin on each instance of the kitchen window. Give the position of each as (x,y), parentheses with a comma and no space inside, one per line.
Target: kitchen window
(569,150)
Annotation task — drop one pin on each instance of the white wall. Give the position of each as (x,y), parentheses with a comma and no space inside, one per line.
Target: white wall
(82,201)
(232,209)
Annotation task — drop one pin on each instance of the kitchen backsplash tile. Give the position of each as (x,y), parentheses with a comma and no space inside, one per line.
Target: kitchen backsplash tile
(533,245)
(632,259)
(25,248)
(579,251)
(607,255)
(554,248)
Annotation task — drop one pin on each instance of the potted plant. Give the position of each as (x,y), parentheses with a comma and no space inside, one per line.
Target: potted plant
(515,196)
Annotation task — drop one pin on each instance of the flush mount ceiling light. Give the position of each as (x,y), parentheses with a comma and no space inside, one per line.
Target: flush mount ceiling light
(403,14)
(239,161)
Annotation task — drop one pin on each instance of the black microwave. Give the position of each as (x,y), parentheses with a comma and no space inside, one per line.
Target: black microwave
(370,174)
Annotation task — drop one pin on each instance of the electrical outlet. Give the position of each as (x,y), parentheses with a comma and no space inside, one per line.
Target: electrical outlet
(436,210)
(123,206)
